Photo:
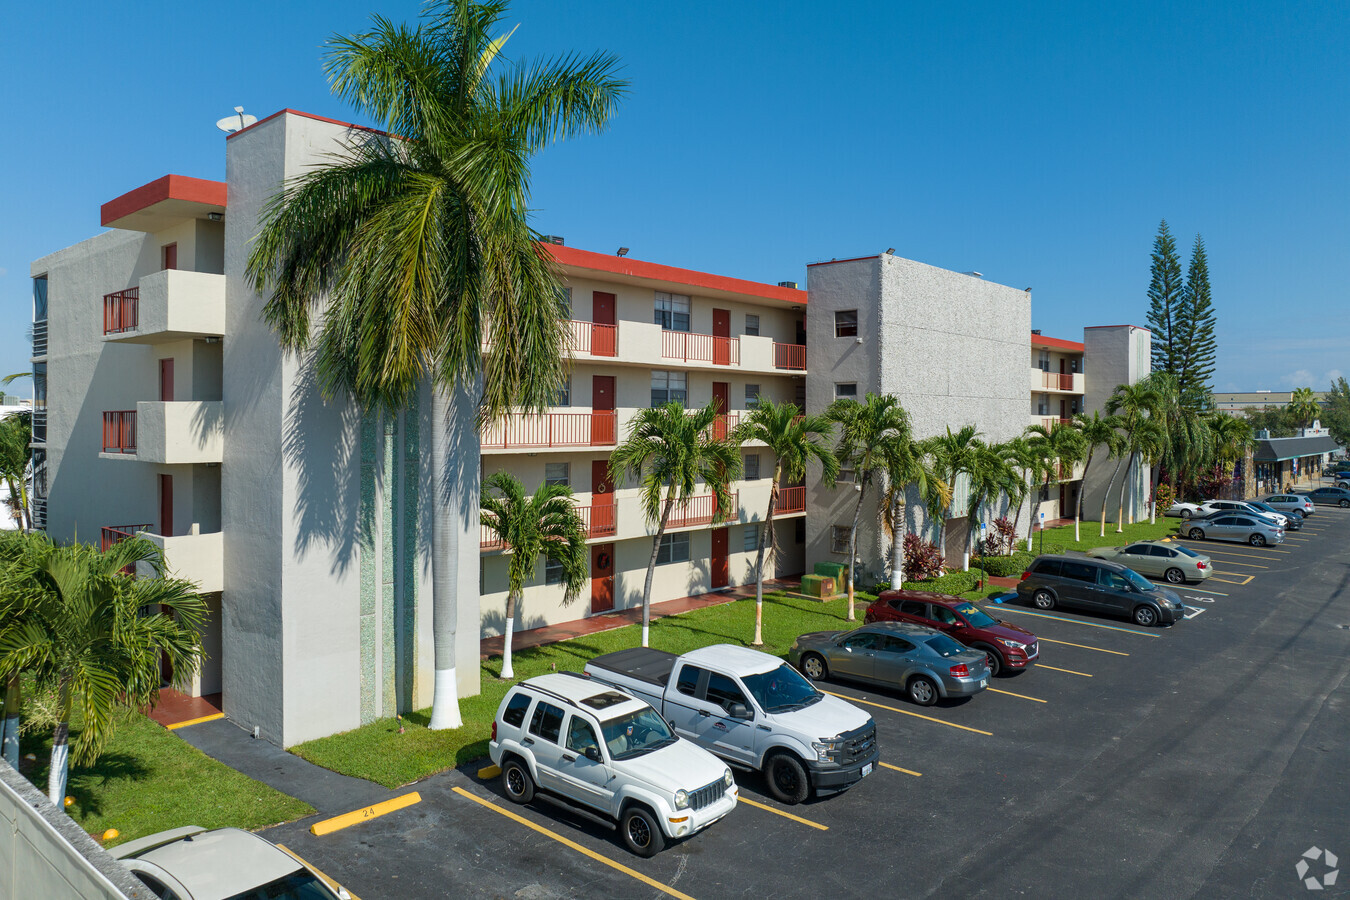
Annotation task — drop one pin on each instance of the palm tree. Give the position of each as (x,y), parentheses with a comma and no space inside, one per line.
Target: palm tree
(992,474)
(18,592)
(1231,438)
(1097,431)
(1303,406)
(1133,403)
(908,464)
(547,523)
(794,440)
(671,450)
(402,251)
(868,434)
(1026,460)
(1059,445)
(15,435)
(953,456)
(87,638)
(1187,445)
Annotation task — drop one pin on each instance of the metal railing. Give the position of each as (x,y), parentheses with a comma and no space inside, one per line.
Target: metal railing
(40,338)
(791,500)
(119,431)
(789,356)
(38,423)
(581,429)
(112,534)
(689,346)
(700,510)
(593,338)
(1057,381)
(600,520)
(39,507)
(121,311)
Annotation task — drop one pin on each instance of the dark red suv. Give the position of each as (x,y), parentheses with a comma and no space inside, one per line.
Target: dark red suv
(1008,646)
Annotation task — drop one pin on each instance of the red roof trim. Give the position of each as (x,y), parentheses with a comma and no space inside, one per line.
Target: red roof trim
(170,187)
(830,262)
(1040,340)
(317,118)
(636,268)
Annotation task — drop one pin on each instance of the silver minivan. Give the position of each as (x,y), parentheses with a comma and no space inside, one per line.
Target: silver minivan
(1287,503)
(1248,529)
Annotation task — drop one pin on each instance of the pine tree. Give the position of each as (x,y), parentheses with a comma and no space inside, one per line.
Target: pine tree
(1165,299)
(1196,324)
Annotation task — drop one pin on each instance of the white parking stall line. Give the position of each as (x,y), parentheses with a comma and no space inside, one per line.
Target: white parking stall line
(1192,611)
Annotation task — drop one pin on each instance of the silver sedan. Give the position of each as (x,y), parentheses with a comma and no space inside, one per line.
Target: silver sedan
(1247,529)
(923,661)
(1156,559)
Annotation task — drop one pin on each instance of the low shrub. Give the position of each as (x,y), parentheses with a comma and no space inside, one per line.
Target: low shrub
(949,583)
(1001,540)
(922,559)
(1006,566)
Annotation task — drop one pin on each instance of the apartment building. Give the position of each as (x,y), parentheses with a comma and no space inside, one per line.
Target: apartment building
(1057,388)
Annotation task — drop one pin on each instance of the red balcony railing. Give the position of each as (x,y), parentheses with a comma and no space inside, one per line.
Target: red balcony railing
(600,521)
(1057,381)
(724,424)
(592,338)
(119,431)
(699,510)
(691,347)
(581,429)
(789,356)
(121,311)
(112,534)
(791,500)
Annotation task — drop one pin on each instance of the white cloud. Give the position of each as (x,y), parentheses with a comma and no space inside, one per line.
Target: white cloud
(1305,378)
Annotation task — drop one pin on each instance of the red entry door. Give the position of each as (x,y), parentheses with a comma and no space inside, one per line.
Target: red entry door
(720,398)
(602,578)
(170,256)
(166,380)
(166,505)
(721,337)
(602,406)
(720,576)
(603,332)
(602,499)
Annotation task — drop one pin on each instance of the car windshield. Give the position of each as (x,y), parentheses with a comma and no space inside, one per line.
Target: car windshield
(944,646)
(977,617)
(635,734)
(1139,581)
(781,690)
(1261,506)
(301,885)
(1186,550)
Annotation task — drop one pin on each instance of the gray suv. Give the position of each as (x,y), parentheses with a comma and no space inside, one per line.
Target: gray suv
(1098,586)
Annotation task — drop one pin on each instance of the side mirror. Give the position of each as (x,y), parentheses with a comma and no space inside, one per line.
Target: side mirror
(593,754)
(738,711)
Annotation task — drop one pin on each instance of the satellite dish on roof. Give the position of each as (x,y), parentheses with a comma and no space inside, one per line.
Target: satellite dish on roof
(237,122)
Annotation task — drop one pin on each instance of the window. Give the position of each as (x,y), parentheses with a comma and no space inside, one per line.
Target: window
(1046,567)
(1137,549)
(891,644)
(1043,361)
(580,735)
(674,548)
(723,692)
(846,389)
(846,323)
(40,299)
(688,683)
(944,615)
(860,641)
(751,396)
(752,467)
(553,571)
(565,392)
(751,324)
(514,714)
(547,722)
(155,886)
(750,539)
(558,473)
(1080,571)
(839,535)
(672,311)
(565,303)
(1113,581)
(914,608)
(668,386)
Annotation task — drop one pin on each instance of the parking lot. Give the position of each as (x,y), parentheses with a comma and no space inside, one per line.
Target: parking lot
(1197,760)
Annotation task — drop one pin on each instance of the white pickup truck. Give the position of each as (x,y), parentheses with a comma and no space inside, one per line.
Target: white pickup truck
(753,710)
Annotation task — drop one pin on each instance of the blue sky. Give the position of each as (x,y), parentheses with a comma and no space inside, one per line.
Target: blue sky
(1037,143)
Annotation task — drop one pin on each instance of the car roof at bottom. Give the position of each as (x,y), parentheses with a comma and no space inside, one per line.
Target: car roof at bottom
(216,864)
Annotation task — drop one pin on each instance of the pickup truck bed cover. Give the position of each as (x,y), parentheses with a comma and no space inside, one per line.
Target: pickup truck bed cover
(641,663)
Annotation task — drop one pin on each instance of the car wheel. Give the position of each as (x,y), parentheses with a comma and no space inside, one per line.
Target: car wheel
(1257,540)
(995,661)
(1344,503)
(1175,576)
(516,781)
(787,778)
(1196,534)
(1185,513)
(1145,616)
(813,665)
(641,833)
(922,690)
(1043,600)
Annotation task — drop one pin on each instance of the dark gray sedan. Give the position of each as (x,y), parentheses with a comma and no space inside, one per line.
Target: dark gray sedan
(926,663)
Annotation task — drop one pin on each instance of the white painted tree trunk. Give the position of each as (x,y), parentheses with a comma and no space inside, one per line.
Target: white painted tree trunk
(897,548)
(507,672)
(444,609)
(56,775)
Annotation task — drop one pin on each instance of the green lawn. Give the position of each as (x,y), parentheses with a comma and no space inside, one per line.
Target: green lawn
(1061,538)
(149,780)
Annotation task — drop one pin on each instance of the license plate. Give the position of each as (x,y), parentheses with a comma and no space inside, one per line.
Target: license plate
(867,770)
(983,682)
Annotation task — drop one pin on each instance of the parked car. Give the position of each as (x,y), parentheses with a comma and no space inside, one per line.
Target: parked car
(1248,529)
(1009,646)
(1211,508)
(191,863)
(922,661)
(753,710)
(610,754)
(1174,562)
(1183,509)
(1292,520)
(1329,496)
(1098,585)
(1291,503)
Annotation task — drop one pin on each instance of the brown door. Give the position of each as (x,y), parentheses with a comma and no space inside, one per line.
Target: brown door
(602,406)
(170,256)
(721,337)
(602,578)
(1063,408)
(720,576)
(602,499)
(166,505)
(720,398)
(603,332)
(166,380)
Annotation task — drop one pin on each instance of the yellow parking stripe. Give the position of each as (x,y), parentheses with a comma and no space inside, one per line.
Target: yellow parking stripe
(1045,640)
(1209,544)
(584,851)
(197,721)
(1041,615)
(1011,694)
(489,772)
(786,815)
(1218,576)
(333,885)
(365,814)
(898,769)
(1071,671)
(907,712)
(1233,562)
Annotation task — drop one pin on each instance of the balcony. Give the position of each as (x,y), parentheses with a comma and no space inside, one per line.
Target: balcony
(170,433)
(1056,382)
(600,521)
(791,500)
(1049,421)
(171,305)
(598,428)
(40,338)
(688,346)
(115,534)
(700,510)
(593,339)
(196,557)
(789,356)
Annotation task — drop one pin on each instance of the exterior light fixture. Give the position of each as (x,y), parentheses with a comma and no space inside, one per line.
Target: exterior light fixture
(623,251)
(216,217)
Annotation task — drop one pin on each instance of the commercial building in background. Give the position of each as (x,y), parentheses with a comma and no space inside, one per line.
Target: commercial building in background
(1237,401)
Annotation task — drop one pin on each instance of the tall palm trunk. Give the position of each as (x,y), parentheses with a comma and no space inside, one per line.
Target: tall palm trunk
(897,544)
(13,699)
(651,565)
(853,545)
(1124,482)
(1034,507)
(444,565)
(511,597)
(60,764)
(1078,513)
(1154,472)
(1106,494)
(765,530)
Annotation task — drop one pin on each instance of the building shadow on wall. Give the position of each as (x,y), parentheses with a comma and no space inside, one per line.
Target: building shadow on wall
(494,622)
